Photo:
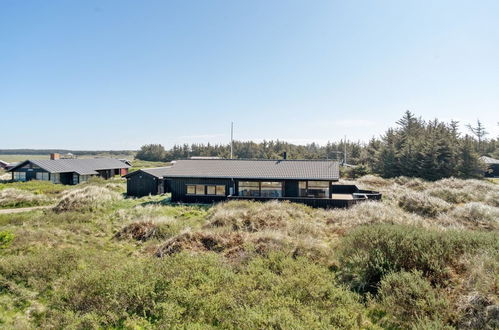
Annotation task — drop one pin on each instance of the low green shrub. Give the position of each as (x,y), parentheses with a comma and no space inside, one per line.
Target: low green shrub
(405,297)
(39,269)
(422,204)
(6,238)
(201,292)
(367,254)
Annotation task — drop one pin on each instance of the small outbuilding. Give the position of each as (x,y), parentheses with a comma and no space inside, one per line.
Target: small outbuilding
(149,181)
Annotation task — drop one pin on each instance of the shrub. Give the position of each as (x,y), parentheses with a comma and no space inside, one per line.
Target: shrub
(12,197)
(367,254)
(407,296)
(422,204)
(473,216)
(146,228)
(5,239)
(89,198)
(202,291)
(38,269)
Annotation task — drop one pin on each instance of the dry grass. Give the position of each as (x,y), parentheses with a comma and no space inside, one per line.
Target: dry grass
(472,216)
(12,197)
(370,213)
(87,198)
(422,204)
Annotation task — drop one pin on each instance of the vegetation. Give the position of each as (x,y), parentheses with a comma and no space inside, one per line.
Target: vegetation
(424,257)
(415,148)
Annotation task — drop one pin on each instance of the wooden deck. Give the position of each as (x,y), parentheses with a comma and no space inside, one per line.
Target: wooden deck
(314,202)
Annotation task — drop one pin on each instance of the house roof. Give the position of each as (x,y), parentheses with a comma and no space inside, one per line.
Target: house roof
(84,166)
(255,169)
(158,172)
(489,160)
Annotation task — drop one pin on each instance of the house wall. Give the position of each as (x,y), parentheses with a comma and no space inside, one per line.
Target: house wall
(178,187)
(493,171)
(30,171)
(143,184)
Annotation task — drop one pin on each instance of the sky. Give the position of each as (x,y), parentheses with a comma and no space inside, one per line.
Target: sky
(117,74)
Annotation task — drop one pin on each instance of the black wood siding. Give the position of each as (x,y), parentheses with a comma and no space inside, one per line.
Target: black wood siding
(142,184)
(178,187)
(30,172)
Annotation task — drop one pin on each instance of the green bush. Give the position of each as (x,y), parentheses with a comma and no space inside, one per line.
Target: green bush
(201,291)
(368,253)
(5,239)
(406,297)
(37,270)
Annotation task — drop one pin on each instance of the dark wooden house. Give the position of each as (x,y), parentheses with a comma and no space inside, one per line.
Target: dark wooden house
(312,182)
(145,182)
(68,171)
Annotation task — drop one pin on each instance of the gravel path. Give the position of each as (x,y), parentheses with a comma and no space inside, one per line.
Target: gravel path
(24,209)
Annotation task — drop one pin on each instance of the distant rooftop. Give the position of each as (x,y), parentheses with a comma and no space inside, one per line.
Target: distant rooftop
(84,166)
(489,160)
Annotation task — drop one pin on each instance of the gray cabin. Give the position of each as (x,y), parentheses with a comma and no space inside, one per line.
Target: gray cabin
(68,171)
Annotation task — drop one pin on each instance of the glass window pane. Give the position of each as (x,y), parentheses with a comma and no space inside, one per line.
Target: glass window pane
(20,176)
(249,188)
(191,189)
(199,189)
(271,189)
(318,189)
(303,188)
(220,190)
(210,190)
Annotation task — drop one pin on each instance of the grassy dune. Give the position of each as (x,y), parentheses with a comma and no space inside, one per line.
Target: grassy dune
(425,257)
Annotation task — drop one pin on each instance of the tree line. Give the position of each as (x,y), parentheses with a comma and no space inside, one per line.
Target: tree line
(415,148)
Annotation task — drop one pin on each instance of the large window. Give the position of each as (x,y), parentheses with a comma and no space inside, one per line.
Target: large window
(267,189)
(271,189)
(84,178)
(75,178)
(201,189)
(249,188)
(20,176)
(42,176)
(55,178)
(220,190)
(314,189)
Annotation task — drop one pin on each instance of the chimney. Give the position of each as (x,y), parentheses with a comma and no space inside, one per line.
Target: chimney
(55,156)
(284,155)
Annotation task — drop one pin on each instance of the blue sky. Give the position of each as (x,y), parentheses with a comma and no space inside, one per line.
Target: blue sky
(119,74)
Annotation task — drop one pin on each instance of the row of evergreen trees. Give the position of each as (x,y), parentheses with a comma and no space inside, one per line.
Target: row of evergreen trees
(415,148)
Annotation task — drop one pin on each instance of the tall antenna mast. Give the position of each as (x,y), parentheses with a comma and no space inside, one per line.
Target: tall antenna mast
(345,151)
(231,137)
